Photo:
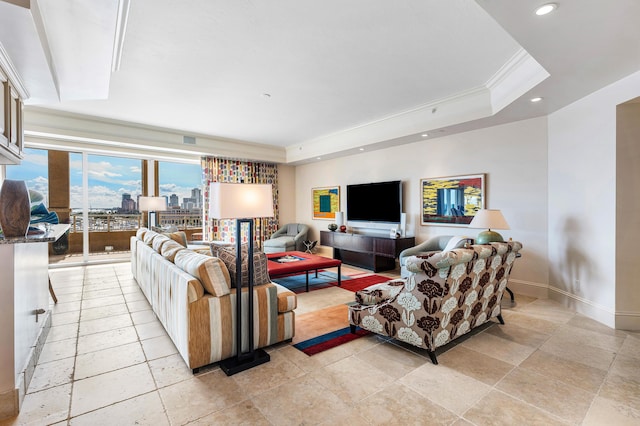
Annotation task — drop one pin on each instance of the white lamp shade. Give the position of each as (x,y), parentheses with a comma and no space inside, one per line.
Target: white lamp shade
(240,200)
(489,219)
(152,204)
(339,218)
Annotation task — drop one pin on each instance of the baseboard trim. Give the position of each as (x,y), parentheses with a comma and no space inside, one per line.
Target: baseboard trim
(620,320)
(586,307)
(628,320)
(529,288)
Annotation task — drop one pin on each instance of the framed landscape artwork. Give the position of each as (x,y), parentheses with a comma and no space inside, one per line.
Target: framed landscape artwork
(451,201)
(326,202)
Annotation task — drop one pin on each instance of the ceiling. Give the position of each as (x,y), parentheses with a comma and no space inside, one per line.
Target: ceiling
(318,79)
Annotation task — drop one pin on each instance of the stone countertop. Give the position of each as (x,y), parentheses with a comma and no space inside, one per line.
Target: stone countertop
(46,237)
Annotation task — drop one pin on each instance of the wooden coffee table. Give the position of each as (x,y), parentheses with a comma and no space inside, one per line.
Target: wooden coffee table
(291,262)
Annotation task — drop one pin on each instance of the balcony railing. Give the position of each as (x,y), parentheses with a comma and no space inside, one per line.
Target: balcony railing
(116,222)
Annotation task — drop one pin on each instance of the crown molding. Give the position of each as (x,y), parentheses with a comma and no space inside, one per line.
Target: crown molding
(516,77)
(466,106)
(12,74)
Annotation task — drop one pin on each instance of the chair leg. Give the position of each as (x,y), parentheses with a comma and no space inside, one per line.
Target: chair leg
(500,319)
(432,355)
(352,328)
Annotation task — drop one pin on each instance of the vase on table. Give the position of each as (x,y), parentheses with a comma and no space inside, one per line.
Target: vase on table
(15,208)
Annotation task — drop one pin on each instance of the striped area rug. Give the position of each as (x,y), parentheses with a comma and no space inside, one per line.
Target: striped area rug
(329,340)
(355,282)
(328,328)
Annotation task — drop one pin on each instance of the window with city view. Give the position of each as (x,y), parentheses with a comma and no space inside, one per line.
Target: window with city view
(181,184)
(34,170)
(105,213)
(114,185)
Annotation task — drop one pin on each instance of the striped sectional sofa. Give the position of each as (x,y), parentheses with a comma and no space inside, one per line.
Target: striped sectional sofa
(192,296)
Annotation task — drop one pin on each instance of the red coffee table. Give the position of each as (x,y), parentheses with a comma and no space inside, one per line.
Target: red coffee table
(291,262)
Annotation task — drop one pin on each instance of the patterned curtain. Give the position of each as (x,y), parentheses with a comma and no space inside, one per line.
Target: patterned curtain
(236,171)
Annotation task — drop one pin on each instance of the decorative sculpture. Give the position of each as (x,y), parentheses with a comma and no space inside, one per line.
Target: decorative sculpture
(15,208)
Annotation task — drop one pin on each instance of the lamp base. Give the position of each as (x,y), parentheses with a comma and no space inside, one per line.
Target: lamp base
(234,365)
(486,237)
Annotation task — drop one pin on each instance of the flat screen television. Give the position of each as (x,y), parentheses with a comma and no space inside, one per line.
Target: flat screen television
(375,202)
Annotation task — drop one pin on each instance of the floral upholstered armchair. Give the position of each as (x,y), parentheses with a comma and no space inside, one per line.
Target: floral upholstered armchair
(446,295)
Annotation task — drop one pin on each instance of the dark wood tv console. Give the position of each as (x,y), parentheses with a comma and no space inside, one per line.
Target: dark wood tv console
(366,251)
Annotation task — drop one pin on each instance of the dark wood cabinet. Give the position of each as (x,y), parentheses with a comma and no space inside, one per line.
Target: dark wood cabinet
(366,251)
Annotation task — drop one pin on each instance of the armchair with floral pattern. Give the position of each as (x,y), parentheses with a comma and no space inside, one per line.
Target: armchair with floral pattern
(446,295)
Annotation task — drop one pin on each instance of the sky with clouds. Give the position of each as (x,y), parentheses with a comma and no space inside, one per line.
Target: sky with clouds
(109,178)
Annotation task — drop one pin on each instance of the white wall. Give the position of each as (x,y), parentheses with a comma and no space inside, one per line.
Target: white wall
(513,156)
(582,200)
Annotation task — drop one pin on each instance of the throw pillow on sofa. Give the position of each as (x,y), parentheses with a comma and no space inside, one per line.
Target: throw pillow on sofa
(158,242)
(149,236)
(211,271)
(140,233)
(216,246)
(178,236)
(260,272)
(169,250)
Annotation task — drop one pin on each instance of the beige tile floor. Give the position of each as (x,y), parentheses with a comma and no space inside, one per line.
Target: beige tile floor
(108,361)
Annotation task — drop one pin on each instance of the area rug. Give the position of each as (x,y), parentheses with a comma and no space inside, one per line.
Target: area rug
(297,283)
(326,328)
(329,340)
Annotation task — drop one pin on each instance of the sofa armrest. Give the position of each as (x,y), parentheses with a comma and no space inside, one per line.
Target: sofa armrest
(302,233)
(379,293)
(287,300)
(428,246)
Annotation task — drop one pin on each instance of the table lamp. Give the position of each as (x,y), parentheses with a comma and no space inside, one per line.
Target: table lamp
(490,219)
(243,202)
(152,205)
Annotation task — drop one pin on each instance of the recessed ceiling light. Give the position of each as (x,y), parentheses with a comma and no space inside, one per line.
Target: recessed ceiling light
(424,135)
(318,158)
(536,99)
(361,149)
(546,8)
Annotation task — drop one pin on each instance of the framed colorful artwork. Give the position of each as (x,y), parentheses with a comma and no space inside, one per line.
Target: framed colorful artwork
(326,202)
(451,201)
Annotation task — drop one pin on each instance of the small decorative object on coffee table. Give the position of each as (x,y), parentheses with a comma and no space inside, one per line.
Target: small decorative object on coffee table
(332,227)
(343,228)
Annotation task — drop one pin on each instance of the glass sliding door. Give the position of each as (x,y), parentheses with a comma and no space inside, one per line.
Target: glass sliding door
(181,185)
(110,211)
(96,195)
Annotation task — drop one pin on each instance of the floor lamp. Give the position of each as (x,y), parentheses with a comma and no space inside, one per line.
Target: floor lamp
(152,205)
(242,202)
